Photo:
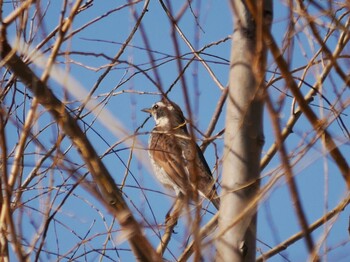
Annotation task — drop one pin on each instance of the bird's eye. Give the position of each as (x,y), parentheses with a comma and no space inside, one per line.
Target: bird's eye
(155,107)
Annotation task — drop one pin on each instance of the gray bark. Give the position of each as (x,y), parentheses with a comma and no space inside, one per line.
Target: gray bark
(244,132)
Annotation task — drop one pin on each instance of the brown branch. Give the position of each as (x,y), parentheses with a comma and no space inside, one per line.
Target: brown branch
(21,144)
(318,125)
(264,191)
(324,47)
(204,231)
(170,224)
(187,42)
(290,177)
(143,33)
(17,12)
(215,118)
(65,25)
(321,221)
(113,199)
(288,129)
(7,226)
(4,202)
(117,56)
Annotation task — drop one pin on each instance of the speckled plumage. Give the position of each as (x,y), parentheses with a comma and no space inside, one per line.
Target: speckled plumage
(177,161)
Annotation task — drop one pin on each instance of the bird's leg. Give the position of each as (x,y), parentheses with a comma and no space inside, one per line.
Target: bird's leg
(174,210)
(168,214)
(170,222)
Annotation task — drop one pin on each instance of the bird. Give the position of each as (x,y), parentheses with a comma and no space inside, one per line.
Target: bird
(177,160)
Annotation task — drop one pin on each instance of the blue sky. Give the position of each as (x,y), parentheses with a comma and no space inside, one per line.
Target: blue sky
(319,181)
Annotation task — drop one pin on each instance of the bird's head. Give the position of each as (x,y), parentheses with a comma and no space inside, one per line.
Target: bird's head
(167,115)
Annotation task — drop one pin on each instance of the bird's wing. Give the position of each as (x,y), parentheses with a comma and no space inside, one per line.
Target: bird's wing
(210,189)
(167,154)
(195,161)
(200,173)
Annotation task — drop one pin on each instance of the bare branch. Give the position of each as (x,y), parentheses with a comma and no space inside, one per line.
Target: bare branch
(112,195)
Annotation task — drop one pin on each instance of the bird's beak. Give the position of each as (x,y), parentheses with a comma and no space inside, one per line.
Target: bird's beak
(147,110)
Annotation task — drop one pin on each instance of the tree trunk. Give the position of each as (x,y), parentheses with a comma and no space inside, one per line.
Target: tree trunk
(244,132)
